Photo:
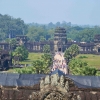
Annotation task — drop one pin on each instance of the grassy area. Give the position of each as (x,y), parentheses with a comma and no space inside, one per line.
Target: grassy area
(31,57)
(29,60)
(92,60)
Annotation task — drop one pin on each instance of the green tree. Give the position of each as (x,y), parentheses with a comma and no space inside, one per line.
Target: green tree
(38,66)
(71,52)
(78,67)
(10,26)
(35,33)
(46,48)
(2,36)
(12,42)
(74,50)
(98,73)
(67,55)
(42,65)
(69,39)
(42,38)
(21,52)
(47,59)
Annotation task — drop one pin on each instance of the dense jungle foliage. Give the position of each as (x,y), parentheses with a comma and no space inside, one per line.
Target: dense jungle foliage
(10,27)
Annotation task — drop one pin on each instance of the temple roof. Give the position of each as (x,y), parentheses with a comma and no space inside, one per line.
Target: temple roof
(85,81)
(12,79)
(82,81)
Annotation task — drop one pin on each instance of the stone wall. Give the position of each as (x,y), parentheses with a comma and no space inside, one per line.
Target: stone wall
(21,94)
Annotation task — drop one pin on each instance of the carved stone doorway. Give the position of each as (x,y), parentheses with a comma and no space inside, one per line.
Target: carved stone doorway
(59,46)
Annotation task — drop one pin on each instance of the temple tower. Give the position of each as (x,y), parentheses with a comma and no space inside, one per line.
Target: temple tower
(97,43)
(60,39)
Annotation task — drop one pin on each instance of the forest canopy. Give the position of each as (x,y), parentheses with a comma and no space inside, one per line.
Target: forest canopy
(10,27)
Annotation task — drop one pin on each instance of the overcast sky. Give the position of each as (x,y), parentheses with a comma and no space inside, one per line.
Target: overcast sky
(80,12)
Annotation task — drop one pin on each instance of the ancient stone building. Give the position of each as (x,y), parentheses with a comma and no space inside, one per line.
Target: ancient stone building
(55,86)
(59,43)
(97,43)
(5,60)
(60,39)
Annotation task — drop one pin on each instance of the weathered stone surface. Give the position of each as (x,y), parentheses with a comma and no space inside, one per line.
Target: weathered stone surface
(54,79)
(55,87)
(62,80)
(67,86)
(47,79)
(42,84)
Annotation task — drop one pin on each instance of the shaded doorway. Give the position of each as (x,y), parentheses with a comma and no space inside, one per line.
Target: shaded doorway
(59,49)
(99,50)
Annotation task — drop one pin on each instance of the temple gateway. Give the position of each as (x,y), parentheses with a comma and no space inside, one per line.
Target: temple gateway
(59,43)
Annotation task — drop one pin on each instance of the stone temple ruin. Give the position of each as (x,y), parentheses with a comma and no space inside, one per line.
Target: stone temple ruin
(54,86)
(59,43)
(5,60)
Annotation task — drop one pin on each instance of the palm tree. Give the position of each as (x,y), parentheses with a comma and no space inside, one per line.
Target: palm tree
(71,52)
(37,66)
(46,48)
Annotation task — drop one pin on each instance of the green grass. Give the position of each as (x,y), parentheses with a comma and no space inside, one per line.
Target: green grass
(31,58)
(92,60)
